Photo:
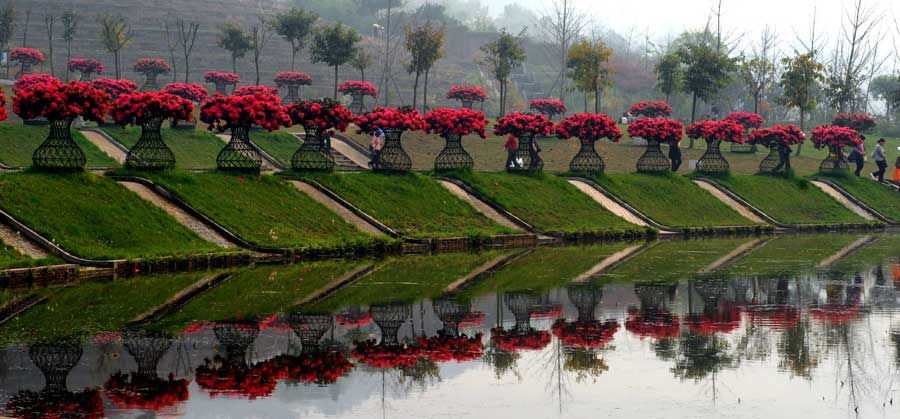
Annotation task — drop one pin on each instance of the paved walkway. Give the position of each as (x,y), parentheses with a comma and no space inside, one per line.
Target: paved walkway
(105,146)
(609,204)
(727,200)
(21,243)
(480,206)
(339,209)
(856,209)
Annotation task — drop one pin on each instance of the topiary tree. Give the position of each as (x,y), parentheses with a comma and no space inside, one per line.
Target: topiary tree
(316,117)
(467,95)
(238,113)
(859,122)
(716,132)
(393,122)
(27,58)
(189,91)
(85,67)
(548,107)
(651,109)
(588,127)
(292,80)
(222,80)
(835,139)
(149,110)
(655,131)
(452,125)
(358,90)
(779,140)
(151,68)
(749,121)
(524,128)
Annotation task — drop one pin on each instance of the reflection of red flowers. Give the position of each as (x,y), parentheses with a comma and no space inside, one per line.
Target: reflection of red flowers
(858,122)
(150,66)
(473,319)
(323,114)
(221,77)
(514,341)
(56,405)
(747,120)
(723,319)
(139,108)
(219,377)
(658,129)
(252,90)
(137,391)
(467,93)
(778,317)
(236,111)
(402,119)
(548,106)
(386,356)
(30,80)
(58,102)
(292,78)
(85,65)
(446,122)
(26,56)
(589,127)
(659,324)
(551,311)
(786,135)
(521,124)
(190,91)
(832,136)
(357,87)
(837,314)
(448,348)
(651,109)
(349,320)
(315,368)
(197,327)
(593,334)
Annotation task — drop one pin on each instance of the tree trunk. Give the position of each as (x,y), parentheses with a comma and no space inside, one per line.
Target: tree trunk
(233,64)
(693,114)
(335,81)
(174,67)
(597,97)
(293,56)
(187,68)
(68,57)
(362,74)
(256,65)
(416,91)
(667,97)
(756,104)
(802,117)
(425,93)
(116,62)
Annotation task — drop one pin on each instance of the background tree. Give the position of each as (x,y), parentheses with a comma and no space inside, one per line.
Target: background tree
(172,42)
(800,76)
(503,55)
(391,32)
(295,26)
(425,45)
(260,35)
(49,24)
(7,27)
(334,45)
(69,21)
(361,60)
(853,55)
(758,73)
(668,75)
(116,34)
(706,72)
(885,88)
(25,27)
(559,28)
(187,35)
(234,40)
(588,64)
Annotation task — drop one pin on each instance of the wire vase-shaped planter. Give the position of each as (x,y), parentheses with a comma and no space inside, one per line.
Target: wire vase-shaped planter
(150,84)
(293,94)
(150,152)
(772,160)
(310,328)
(389,318)
(393,158)
(467,103)
(712,161)
(358,105)
(835,163)
(55,360)
(313,155)
(588,160)
(529,161)
(239,155)
(653,160)
(222,87)
(59,151)
(453,156)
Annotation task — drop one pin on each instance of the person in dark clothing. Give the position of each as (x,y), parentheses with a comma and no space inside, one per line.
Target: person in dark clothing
(511,145)
(858,156)
(534,154)
(675,155)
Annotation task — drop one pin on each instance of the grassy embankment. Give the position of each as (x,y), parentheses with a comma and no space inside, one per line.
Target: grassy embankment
(791,255)
(279,144)
(673,261)
(18,142)
(94,217)
(11,258)
(415,205)
(880,198)
(193,149)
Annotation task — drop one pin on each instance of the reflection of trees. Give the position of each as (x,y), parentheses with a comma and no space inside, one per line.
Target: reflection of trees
(654,320)
(700,355)
(795,351)
(583,339)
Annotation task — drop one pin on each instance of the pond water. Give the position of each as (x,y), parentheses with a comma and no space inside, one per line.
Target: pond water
(793,326)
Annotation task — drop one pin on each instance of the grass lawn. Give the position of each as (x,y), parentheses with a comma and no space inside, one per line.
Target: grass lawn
(264,210)
(18,142)
(673,261)
(11,258)
(881,198)
(547,202)
(671,200)
(87,309)
(280,144)
(255,293)
(791,254)
(790,200)
(884,250)
(413,204)
(94,217)
(193,149)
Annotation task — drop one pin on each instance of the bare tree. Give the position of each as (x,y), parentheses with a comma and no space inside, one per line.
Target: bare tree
(260,34)
(759,71)
(187,35)
(559,27)
(70,26)
(116,34)
(49,22)
(856,53)
(172,41)
(813,40)
(393,42)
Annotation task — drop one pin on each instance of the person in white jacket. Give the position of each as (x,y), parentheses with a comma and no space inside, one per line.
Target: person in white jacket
(880,160)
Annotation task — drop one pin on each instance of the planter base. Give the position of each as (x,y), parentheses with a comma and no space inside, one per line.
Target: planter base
(150,152)
(239,155)
(312,155)
(59,151)
(529,162)
(653,160)
(712,161)
(393,158)
(453,156)
(587,160)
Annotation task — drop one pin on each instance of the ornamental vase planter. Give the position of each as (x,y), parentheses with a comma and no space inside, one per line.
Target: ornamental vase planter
(389,318)
(453,156)
(24,69)
(768,164)
(85,76)
(150,84)
(59,151)
(358,105)
(55,360)
(531,162)
(150,152)
(467,103)
(222,88)
(712,161)
(588,160)
(836,163)
(239,155)
(293,94)
(653,160)
(393,158)
(313,154)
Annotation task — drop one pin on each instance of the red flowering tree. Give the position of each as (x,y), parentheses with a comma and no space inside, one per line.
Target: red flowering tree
(445,348)
(317,117)
(115,87)
(835,139)
(222,80)
(393,122)
(549,107)
(358,90)
(858,122)
(779,140)
(655,131)
(238,113)
(3,113)
(252,90)
(60,104)
(85,66)
(149,110)
(716,132)
(292,80)
(749,121)
(524,128)
(151,68)
(26,57)
(588,127)
(651,109)
(467,95)
(29,80)
(452,125)
(190,91)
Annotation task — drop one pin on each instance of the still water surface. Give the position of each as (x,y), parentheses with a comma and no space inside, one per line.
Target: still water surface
(785,327)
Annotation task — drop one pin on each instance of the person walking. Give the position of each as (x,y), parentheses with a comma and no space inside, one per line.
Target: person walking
(511,145)
(376,146)
(534,154)
(858,156)
(326,140)
(675,155)
(880,160)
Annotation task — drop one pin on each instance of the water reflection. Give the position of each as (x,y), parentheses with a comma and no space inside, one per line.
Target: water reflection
(717,343)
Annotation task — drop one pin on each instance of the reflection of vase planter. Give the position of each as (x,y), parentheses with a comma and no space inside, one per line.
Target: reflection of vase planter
(585,298)
(836,163)
(150,152)
(310,328)
(712,160)
(521,305)
(232,374)
(446,347)
(393,158)
(653,160)
(453,156)
(313,154)
(150,84)
(59,151)
(389,318)
(524,156)
(239,155)
(517,340)
(587,160)
(585,334)
(358,105)
(320,368)
(144,389)
(452,314)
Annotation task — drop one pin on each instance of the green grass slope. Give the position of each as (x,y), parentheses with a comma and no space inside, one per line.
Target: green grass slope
(279,144)
(193,149)
(673,261)
(879,197)
(18,142)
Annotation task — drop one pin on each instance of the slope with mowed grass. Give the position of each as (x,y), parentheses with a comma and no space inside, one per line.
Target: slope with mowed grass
(881,198)
(671,200)
(11,258)
(789,200)
(254,294)
(884,250)
(18,142)
(787,255)
(83,311)
(193,149)
(673,261)
(415,205)
(547,202)
(264,210)
(279,144)
(94,217)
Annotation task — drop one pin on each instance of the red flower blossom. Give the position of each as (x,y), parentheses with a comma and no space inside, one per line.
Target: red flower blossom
(52,404)
(235,111)
(251,90)
(29,80)
(292,78)
(137,391)
(787,135)
(660,324)
(722,319)
(319,368)
(522,124)
(658,129)
(357,87)
(548,107)
(190,91)
(837,314)
(723,131)
(221,77)
(446,122)
(747,120)
(651,109)
(149,66)
(449,348)
(585,334)
(589,127)
(384,356)
(467,93)
(832,136)
(401,119)
(695,130)
(58,102)
(778,317)
(140,108)
(115,87)
(3,113)
(514,341)
(251,382)
(858,122)
(26,56)
(323,114)
(85,65)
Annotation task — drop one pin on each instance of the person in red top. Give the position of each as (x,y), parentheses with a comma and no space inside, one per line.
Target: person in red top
(511,145)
